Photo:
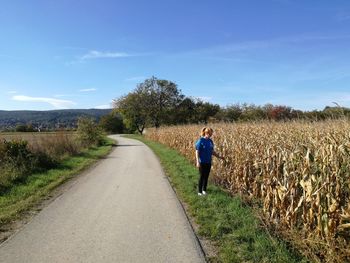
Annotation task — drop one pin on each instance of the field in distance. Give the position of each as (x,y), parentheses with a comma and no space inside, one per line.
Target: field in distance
(35,137)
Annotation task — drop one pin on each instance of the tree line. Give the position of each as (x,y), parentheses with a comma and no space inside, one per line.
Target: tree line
(30,121)
(157,102)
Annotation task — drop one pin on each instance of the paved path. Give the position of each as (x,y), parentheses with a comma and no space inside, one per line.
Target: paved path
(122,210)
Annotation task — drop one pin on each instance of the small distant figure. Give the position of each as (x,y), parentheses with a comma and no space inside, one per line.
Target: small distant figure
(204,152)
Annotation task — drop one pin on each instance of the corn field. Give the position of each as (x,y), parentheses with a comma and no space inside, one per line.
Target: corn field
(299,171)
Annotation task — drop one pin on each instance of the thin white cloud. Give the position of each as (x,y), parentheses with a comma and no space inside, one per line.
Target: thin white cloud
(105,106)
(59,104)
(12,92)
(94,54)
(66,95)
(87,90)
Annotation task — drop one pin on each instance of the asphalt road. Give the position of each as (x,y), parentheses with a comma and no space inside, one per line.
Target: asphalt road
(121,210)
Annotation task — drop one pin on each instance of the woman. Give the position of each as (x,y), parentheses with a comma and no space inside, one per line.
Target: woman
(204,152)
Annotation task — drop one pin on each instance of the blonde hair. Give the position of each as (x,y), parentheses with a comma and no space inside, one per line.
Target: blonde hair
(206,130)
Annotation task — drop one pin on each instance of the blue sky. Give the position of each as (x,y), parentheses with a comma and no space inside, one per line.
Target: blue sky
(84,53)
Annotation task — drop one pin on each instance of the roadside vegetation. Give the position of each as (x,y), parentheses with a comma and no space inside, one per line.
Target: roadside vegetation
(295,164)
(226,221)
(31,165)
(297,172)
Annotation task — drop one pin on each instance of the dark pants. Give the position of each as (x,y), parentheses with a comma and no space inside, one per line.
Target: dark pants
(204,170)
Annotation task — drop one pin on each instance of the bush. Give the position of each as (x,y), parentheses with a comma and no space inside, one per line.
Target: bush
(89,133)
(25,128)
(112,123)
(16,162)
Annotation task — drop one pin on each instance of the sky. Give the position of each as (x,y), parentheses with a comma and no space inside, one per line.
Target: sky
(82,54)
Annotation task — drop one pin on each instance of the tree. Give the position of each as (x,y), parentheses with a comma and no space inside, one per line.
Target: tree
(205,110)
(21,128)
(251,112)
(278,112)
(335,112)
(232,113)
(151,103)
(89,133)
(25,128)
(133,108)
(112,123)
(165,98)
(184,113)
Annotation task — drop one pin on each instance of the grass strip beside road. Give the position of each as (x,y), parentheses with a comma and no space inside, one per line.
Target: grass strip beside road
(226,221)
(23,196)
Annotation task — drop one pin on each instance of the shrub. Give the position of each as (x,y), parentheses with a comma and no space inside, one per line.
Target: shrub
(89,133)
(16,162)
(112,123)
(22,154)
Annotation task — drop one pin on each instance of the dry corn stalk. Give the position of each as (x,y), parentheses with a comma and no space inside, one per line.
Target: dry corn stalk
(300,171)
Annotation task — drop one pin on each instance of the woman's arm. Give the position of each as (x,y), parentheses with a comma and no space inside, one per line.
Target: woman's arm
(197,159)
(218,156)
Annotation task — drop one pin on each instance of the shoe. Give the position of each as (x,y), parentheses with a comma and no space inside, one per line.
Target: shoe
(200,194)
(204,192)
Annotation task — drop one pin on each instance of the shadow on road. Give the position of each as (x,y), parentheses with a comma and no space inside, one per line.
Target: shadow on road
(128,145)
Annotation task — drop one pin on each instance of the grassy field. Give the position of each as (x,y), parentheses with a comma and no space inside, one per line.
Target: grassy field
(226,221)
(37,140)
(31,136)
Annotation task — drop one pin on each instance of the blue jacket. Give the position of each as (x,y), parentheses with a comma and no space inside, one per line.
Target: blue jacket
(205,148)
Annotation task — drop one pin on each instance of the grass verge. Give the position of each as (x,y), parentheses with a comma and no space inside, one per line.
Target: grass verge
(226,221)
(22,196)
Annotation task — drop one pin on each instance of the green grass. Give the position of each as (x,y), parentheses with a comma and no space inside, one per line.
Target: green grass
(22,196)
(226,221)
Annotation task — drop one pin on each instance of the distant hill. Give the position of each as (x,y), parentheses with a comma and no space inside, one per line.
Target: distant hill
(48,120)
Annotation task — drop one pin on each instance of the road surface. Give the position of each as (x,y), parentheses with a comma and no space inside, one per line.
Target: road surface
(121,210)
